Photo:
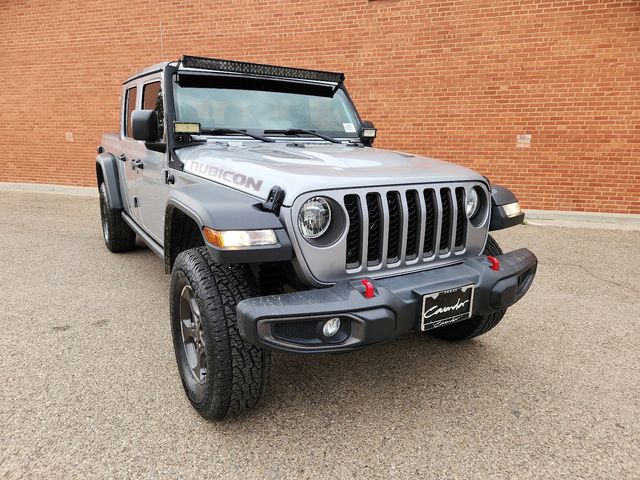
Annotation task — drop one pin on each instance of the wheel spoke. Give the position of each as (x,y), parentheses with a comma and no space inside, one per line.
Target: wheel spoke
(192,335)
(191,354)
(188,330)
(195,310)
(200,368)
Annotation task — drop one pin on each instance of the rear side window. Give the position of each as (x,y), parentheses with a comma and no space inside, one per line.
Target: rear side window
(152,100)
(130,105)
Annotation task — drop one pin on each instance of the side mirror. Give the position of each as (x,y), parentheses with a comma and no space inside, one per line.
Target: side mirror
(368,133)
(144,125)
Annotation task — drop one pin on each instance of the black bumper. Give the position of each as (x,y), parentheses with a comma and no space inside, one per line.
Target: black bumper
(293,322)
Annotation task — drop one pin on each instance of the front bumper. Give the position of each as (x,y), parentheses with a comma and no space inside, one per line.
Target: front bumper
(292,322)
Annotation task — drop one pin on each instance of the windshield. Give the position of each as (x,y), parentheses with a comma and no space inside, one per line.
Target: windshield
(260,110)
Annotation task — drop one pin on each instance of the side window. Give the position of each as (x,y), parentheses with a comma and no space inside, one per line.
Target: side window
(130,104)
(152,100)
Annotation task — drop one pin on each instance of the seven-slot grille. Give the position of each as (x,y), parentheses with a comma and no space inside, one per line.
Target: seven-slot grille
(386,229)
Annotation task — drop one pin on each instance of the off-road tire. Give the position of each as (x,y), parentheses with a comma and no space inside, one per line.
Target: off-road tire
(475,325)
(117,235)
(237,372)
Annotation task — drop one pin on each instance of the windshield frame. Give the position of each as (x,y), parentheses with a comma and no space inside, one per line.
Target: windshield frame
(210,80)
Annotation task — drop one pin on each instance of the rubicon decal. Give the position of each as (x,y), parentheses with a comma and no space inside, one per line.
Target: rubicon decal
(227,176)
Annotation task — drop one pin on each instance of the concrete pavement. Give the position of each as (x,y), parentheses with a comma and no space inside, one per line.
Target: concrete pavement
(89,386)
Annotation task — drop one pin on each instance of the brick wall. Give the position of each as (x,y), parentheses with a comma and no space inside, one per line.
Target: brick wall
(458,80)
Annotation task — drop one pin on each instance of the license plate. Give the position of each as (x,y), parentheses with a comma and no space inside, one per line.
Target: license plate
(448,306)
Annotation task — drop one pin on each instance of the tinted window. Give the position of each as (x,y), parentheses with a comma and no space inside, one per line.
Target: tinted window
(130,103)
(152,100)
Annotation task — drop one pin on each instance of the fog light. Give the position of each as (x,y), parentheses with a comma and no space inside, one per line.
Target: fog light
(331,327)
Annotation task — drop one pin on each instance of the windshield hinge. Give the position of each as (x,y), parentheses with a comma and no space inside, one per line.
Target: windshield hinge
(274,200)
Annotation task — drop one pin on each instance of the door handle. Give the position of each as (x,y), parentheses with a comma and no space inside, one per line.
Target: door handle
(169,179)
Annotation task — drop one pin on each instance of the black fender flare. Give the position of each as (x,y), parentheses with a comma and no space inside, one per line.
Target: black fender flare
(106,165)
(500,218)
(222,208)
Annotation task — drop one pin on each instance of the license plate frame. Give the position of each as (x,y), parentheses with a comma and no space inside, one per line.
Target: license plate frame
(454,305)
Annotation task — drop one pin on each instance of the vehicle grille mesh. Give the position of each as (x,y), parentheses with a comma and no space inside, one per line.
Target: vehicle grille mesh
(402,225)
(295,330)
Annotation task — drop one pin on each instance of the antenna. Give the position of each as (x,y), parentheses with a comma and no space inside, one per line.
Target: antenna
(161,42)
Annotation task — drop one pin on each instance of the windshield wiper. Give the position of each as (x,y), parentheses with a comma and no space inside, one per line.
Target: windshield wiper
(224,131)
(299,131)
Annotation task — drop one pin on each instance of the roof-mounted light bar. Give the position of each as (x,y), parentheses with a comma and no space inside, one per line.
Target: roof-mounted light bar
(261,70)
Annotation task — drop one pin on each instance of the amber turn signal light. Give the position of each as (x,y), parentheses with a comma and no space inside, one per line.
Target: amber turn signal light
(239,238)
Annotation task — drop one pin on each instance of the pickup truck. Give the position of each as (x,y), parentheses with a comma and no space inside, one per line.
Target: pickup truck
(283,229)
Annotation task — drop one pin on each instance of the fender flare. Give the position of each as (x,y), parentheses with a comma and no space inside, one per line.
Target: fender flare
(226,209)
(106,164)
(500,218)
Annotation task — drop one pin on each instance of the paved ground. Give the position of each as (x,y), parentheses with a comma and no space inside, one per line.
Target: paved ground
(89,387)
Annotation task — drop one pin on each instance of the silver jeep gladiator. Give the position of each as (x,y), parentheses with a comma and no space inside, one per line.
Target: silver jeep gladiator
(284,230)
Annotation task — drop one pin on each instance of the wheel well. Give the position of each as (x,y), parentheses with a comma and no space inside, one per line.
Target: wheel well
(182,233)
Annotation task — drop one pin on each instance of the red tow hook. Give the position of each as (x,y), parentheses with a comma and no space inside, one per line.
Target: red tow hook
(369,292)
(495,263)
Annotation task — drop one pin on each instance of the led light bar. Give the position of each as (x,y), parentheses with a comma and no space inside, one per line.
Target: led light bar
(261,70)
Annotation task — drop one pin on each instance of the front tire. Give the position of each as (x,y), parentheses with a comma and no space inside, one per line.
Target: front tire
(222,374)
(473,326)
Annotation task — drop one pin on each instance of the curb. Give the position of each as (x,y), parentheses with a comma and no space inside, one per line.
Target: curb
(49,188)
(556,218)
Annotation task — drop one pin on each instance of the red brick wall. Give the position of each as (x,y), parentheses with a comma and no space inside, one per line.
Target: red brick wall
(458,80)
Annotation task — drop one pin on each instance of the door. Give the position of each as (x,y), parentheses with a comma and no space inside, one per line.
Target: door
(152,188)
(131,150)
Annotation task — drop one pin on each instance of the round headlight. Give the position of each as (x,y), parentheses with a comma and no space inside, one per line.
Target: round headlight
(314,217)
(473,203)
